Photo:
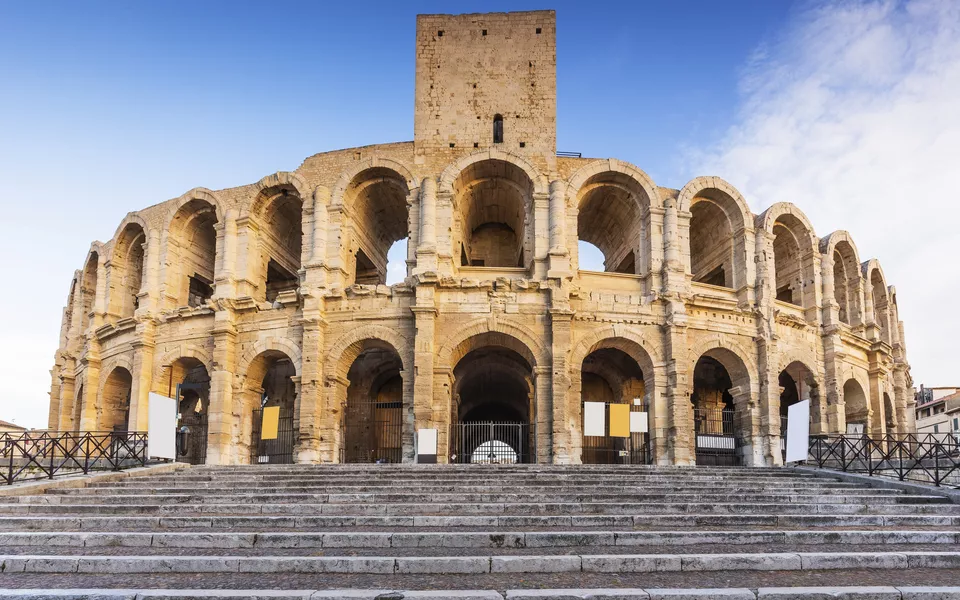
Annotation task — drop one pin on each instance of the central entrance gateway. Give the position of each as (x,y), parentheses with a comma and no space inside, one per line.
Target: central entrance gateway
(493,408)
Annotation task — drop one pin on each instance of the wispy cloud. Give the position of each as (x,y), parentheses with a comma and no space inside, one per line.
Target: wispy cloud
(853,114)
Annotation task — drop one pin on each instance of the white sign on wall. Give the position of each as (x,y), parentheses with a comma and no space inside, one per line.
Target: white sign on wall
(161,427)
(594,418)
(426,441)
(798,431)
(639,422)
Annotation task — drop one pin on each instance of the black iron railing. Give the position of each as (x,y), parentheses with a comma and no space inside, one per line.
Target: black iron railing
(716,440)
(493,442)
(921,457)
(46,454)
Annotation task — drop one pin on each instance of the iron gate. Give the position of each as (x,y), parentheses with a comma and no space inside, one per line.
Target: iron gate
(373,432)
(493,442)
(717,443)
(274,452)
(192,425)
(606,450)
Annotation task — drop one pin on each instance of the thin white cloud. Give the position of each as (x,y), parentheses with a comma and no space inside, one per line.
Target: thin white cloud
(854,115)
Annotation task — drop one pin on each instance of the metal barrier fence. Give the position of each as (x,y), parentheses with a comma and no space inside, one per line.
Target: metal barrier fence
(277,451)
(493,443)
(924,458)
(716,440)
(45,454)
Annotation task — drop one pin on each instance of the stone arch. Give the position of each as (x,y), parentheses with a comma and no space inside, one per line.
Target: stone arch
(841,253)
(280,345)
(611,336)
(450,174)
(126,267)
(376,204)
(719,252)
(183,350)
(279,180)
(878,298)
(88,286)
(277,216)
(132,218)
(856,403)
(514,337)
(732,351)
(338,192)
(197,193)
(114,394)
(613,202)
(797,366)
(191,248)
(348,347)
(795,247)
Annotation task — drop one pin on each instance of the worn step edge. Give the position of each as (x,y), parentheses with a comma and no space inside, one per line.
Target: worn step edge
(635,563)
(780,593)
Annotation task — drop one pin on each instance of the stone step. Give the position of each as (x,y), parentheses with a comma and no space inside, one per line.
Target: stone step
(476,539)
(311,523)
(538,498)
(123,487)
(489,564)
(650,593)
(487,509)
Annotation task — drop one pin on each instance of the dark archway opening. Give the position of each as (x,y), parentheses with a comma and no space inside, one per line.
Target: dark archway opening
(373,416)
(493,407)
(714,415)
(613,377)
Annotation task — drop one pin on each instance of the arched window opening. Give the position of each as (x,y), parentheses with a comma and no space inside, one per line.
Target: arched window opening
(497,129)
(268,384)
(880,306)
(373,416)
(610,219)
(841,287)
(88,292)
(280,242)
(493,197)
(192,254)
(797,383)
(380,219)
(789,273)
(613,377)
(721,391)
(188,382)
(855,407)
(493,401)
(846,283)
(126,271)
(113,410)
(711,244)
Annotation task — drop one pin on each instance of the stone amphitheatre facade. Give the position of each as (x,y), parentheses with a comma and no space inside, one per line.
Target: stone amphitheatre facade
(274,294)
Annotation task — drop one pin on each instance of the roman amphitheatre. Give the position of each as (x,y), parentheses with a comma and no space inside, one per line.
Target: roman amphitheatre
(708,319)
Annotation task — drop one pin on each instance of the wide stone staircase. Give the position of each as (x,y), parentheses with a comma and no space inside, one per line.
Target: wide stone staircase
(478,531)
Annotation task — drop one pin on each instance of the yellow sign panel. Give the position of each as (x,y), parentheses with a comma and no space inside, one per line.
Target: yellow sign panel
(620,420)
(270,424)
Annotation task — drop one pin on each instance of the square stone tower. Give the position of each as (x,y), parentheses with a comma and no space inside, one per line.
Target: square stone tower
(486,81)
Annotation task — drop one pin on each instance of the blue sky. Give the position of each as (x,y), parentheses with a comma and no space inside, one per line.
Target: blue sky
(108,107)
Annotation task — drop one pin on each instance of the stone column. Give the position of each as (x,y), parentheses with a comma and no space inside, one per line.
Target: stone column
(542,392)
(425,407)
(321,199)
(565,442)
(143,350)
(768,441)
(310,430)
(227,239)
(559,258)
(540,249)
(427,243)
(220,430)
(247,267)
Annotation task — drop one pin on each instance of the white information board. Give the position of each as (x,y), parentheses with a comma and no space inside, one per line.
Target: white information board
(161,427)
(594,418)
(427,441)
(639,422)
(798,431)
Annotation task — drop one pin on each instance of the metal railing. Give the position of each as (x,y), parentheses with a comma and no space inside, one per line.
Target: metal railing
(493,442)
(569,154)
(45,454)
(920,457)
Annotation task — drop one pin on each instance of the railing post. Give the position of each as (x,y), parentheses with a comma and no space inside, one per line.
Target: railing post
(10,470)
